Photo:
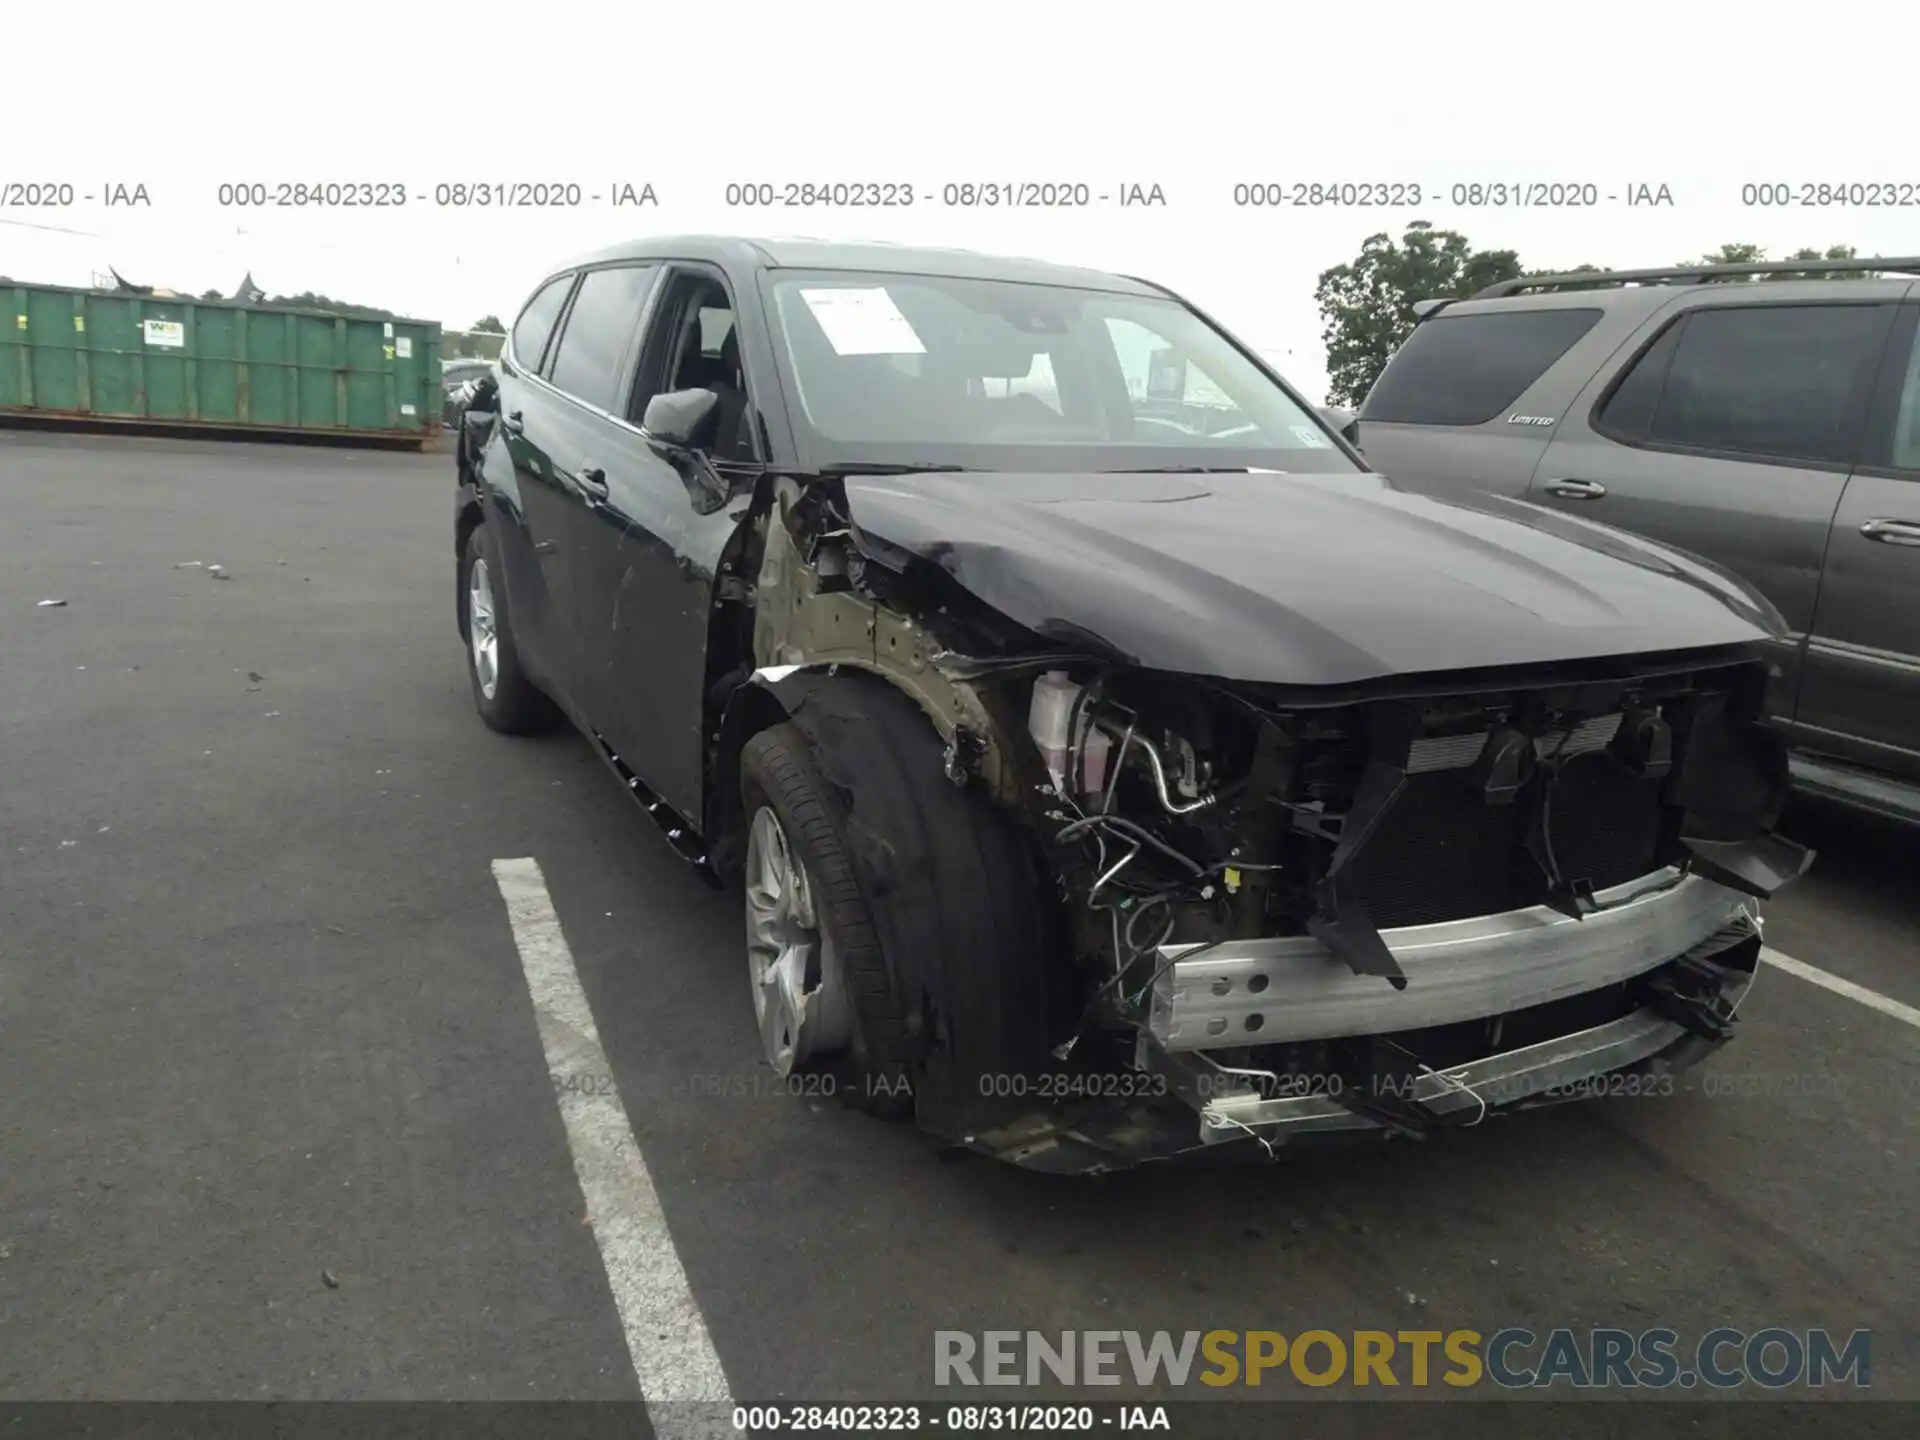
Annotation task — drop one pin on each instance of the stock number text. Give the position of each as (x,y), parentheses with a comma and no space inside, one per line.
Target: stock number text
(299,194)
(1315,194)
(816,195)
(1855,195)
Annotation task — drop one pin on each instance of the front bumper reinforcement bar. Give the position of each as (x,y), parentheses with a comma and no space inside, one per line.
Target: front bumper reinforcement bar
(1277,990)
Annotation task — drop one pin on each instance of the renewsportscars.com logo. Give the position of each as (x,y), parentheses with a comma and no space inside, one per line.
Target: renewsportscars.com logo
(1514,1358)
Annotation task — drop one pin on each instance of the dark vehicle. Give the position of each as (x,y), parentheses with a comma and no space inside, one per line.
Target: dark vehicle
(1773,429)
(457,381)
(1108,780)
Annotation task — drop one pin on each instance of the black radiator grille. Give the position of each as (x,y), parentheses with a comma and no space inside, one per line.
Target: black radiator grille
(1604,822)
(1442,853)
(1439,854)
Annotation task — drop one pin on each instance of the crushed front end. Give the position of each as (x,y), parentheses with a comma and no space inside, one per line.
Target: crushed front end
(1391,907)
(1396,912)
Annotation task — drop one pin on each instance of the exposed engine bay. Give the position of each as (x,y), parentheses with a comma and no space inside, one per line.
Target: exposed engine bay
(1389,907)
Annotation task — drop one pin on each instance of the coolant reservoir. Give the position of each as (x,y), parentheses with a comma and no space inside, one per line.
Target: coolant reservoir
(1048,719)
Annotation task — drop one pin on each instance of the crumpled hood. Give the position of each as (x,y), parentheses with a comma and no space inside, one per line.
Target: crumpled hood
(1304,579)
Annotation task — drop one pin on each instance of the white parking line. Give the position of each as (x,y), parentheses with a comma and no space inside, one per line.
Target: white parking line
(1814,975)
(673,1355)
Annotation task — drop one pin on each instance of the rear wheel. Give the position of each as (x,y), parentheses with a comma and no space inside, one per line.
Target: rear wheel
(503,695)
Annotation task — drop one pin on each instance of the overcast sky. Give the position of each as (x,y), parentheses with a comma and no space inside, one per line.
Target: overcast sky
(1195,98)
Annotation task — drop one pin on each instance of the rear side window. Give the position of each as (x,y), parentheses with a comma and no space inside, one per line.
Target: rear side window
(604,319)
(1466,369)
(535,325)
(1777,380)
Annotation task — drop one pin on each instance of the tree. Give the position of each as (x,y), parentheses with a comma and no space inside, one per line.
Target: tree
(1367,304)
(213,295)
(1738,254)
(1832,252)
(309,300)
(490,324)
(1730,255)
(1570,270)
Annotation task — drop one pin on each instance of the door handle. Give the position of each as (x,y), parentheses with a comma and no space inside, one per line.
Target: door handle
(1893,532)
(593,480)
(1577,489)
(512,423)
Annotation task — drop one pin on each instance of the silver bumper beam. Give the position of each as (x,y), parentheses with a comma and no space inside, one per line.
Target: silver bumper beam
(1560,1064)
(1277,990)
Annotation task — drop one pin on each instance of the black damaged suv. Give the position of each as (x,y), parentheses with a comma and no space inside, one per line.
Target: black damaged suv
(1111,764)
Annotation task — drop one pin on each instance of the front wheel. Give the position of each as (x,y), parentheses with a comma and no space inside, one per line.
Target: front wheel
(507,701)
(822,997)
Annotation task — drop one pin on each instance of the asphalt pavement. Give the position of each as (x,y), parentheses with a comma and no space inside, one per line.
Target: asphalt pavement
(277,1113)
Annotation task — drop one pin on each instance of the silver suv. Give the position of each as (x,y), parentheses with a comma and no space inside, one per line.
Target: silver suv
(1771,428)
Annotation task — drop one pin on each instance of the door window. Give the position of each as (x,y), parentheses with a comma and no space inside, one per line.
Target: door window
(1906,418)
(535,325)
(602,323)
(1628,412)
(1775,380)
(693,344)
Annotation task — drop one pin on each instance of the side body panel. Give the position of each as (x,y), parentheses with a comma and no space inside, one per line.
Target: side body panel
(1860,700)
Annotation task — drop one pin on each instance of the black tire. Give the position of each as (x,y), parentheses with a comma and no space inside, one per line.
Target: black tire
(777,770)
(957,987)
(515,707)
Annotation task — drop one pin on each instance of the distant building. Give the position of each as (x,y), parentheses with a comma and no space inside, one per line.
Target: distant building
(249,293)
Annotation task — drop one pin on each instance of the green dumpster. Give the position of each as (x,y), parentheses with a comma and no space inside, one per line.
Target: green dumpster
(90,355)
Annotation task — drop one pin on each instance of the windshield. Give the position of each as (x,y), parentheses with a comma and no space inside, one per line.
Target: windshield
(995,375)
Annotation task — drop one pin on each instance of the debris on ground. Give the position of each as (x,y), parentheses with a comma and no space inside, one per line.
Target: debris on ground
(329,1279)
(50,604)
(188,565)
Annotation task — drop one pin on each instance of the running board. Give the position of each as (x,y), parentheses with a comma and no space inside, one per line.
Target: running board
(1859,788)
(687,842)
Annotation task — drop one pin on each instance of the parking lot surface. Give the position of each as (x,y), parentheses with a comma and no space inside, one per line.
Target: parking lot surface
(276,1108)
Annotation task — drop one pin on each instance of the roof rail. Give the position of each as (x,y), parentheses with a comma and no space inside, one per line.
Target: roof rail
(1694,274)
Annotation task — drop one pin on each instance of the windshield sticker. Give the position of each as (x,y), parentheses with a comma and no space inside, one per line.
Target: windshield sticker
(1307,435)
(863,322)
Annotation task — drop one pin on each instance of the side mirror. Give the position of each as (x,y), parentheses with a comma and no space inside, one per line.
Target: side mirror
(1343,422)
(680,421)
(679,426)
(482,394)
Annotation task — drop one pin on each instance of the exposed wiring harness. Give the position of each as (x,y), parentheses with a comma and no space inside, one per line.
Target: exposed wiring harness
(1141,913)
